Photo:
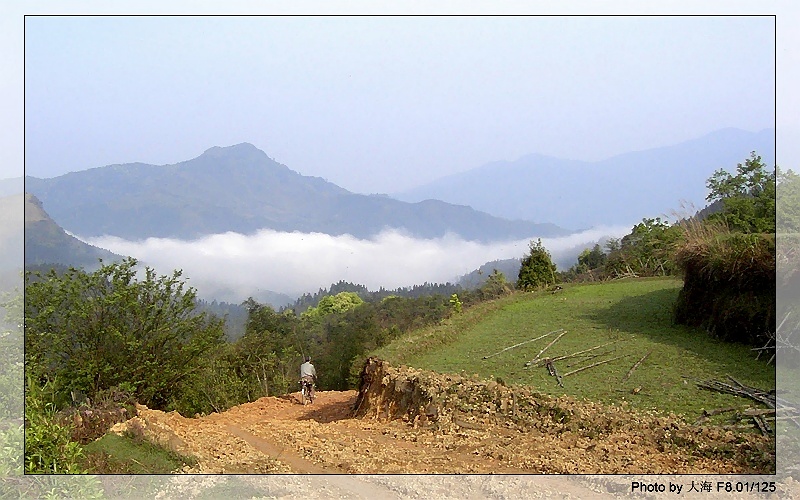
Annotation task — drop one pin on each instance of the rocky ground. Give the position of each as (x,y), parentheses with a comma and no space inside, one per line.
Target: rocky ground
(410,421)
(404,421)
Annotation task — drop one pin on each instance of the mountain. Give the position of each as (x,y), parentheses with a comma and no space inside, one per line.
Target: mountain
(473,280)
(620,190)
(47,243)
(240,189)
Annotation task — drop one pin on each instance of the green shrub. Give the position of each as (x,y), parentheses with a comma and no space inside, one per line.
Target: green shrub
(11,442)
(537,269)
(48,445)
(647,251)
(93,418)
(94,331)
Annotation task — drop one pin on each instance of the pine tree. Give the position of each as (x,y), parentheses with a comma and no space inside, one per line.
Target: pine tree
(537,268)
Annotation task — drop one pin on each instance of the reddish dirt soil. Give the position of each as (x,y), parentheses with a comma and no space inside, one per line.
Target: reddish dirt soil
(280,435)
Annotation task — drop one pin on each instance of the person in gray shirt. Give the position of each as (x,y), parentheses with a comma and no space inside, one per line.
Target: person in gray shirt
(309,374)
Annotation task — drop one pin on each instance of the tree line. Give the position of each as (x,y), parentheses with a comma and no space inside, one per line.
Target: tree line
(90,332)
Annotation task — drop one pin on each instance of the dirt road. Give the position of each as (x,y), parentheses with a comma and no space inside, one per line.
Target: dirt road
(409,423)
(280,435)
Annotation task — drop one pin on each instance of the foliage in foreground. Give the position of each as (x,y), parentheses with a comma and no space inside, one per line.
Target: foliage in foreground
(748,197)
(49,448)
(91,332)
(728,261)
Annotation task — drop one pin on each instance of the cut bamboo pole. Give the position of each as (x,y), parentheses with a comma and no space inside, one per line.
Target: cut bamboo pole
(762,425)
(588,358)
(580,352)
(522,343)
(593,365)
(534,360)
(784,321)
(754,412)
(635,366)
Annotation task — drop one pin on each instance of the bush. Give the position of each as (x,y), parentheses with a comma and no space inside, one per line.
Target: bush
(647,251)
(729,283)
(11,441)
(48,445)
(496,286)
(94,331)
(537,268)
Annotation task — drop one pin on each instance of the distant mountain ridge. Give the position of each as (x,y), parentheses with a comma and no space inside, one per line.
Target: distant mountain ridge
(240,189)
(619,190)
(47,243)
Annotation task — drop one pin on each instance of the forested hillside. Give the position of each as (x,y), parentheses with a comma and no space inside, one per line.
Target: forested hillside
(47,243)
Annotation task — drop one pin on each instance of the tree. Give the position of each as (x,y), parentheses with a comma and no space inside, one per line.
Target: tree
(648,250)
(788,201)
(496,286)
(268,354)
(588,261)
(339,303)
(94,331)
(591,259)
(537,268)
(456,304)
(748,197)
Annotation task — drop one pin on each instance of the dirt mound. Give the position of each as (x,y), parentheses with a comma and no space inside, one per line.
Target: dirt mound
(602,438)
(404,420)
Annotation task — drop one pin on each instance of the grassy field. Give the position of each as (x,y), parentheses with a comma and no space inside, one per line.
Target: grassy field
(634,314)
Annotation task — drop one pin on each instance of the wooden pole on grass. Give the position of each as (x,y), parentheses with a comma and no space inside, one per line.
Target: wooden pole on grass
(534,360)
(593,365)
(522,343)
(635,366)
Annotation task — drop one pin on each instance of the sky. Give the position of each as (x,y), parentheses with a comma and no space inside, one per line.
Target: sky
(378,104)
(381,104)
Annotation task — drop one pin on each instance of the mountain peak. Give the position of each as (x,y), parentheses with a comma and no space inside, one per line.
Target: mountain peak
(241,150)
(242,146)
(242,158)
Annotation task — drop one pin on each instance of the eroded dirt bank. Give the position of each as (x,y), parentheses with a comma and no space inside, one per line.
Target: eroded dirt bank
(404,420)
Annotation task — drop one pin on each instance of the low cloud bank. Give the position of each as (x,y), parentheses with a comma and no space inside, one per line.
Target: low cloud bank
(233,266)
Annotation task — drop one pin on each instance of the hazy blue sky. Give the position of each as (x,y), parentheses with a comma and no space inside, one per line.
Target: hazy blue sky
(379,104)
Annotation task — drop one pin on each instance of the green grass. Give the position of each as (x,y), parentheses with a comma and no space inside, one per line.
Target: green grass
(114,454)
(636,313)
